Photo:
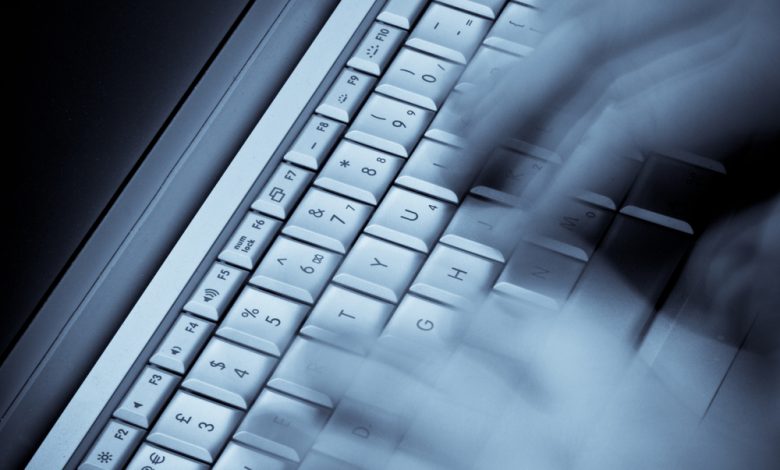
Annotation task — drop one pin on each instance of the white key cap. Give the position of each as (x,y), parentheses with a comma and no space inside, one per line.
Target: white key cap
(570,227)
(113,447)
(518,30)
(282,191)
(229,373)
(419,79)
(250,240)
(314,142)
(542,153)
(146,397)
(486,8)
(359,433)
(439,170)
(608,181)
(296,270)
(509,327)
(215,291)
(485,228)
(454,277)
(281,425)
(421,322)
(315,372)
(622,283)
(671,193)
(346,319)
(401,13)
(389,125)
(448,33)
(378,46)
(359,172)
(540,276)
(449,125)
(195,427)
(379,268)
(236,456)
(449,434)
(346,95)
(151,457)
(262,321)
(327,220)
(410,219)
(182,343)
(487,65)
(512,178)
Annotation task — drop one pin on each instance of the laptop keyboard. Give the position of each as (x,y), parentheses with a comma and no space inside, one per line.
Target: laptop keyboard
(376,225)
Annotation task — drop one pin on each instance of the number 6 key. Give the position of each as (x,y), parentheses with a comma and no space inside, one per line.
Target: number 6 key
(296,270)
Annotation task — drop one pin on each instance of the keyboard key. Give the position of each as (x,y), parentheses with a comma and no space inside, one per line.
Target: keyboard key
(518,30)
(487,65)
(623,281)
(250,240)
(319,461)
(439,170)
(540,276)
(424,323)
(229,373)
(512,178)
(401,13)
(150,457)
(449,434)
(347,319)
(449,126)
(282,191)
(419,79)
(672,193)
(608,182)
(379,268)
(327,220)
(359,433)
(508,327)
(389,125)
(315,372)
(486,8)
(239,457)
(378,46)
(570,227)
(410,219)
(262,321)
(314,142)
(448,33)
(195,427)
(182,343)
(454,277)
(485,228)
(346,95)
(113,447)
(146,397)
(281,425)
(359,172)
(296,270)
(215,291)
(536,151)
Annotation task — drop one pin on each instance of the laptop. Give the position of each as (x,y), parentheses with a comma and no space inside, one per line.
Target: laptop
(305,236)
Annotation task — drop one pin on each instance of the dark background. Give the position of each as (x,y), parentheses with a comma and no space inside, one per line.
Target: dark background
(93,84)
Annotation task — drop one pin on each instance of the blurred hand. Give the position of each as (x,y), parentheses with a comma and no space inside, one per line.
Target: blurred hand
(607,78)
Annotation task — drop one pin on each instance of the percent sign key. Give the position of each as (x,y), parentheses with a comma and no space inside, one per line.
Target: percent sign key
(250,313)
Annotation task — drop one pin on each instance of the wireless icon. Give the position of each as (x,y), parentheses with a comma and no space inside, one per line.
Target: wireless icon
(210,294)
